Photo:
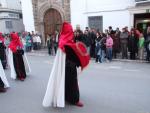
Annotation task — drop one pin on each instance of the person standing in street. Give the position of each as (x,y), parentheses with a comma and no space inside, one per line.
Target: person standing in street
(17,59)
(28,42)
(109,47)
(87,40)
(147,44)
(133,44)
(50,44)
(63,82)
(56,41)
(141,47)
(97,47)
(124,43)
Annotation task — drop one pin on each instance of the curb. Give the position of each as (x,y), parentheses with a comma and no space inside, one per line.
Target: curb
(127,60)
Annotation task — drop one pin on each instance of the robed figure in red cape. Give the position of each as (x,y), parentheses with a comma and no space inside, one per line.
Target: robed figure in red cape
(17,59)
(63,82)
(3,52)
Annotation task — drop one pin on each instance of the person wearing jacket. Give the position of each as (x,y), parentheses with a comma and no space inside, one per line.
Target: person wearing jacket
(147,44)
(109,45)
(97,47)
(141,47)
(124,43)
(133,44)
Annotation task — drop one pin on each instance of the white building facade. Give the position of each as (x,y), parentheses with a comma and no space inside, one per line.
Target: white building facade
(11,18)
(100,14)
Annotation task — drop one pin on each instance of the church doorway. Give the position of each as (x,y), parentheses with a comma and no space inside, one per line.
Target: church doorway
(52,22)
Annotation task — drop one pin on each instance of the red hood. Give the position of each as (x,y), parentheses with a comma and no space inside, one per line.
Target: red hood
(67,39)
(15,42)
(66,35)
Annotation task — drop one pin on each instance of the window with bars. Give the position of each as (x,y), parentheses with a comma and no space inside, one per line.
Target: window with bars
(8,24)
(96,22)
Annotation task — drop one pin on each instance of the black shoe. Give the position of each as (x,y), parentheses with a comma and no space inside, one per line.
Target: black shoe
(2,90)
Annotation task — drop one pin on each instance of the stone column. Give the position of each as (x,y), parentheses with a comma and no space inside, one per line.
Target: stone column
(67,10)
(35,13)
(41,26)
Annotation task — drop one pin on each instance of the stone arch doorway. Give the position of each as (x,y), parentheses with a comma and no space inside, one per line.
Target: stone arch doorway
(52,22)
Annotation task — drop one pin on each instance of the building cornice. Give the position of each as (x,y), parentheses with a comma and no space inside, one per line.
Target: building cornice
(10,10)
(133,8)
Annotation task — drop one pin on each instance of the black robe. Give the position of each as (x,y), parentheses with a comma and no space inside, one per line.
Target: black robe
(1,83)
(3,55)
(71,80)
(19,64)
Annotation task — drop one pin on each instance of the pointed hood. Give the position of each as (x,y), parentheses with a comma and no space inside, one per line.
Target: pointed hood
(66,35)
(15,42)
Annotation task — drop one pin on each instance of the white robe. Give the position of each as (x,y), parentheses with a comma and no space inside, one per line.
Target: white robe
(55,93)
(11,64)
(3,77)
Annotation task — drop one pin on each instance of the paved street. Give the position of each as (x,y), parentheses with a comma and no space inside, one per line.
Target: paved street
(117,87)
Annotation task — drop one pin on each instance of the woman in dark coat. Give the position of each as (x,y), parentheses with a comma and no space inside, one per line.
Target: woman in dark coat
(97,46)
(133,45)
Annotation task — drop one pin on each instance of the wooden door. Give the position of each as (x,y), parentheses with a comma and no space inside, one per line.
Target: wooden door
(52,22)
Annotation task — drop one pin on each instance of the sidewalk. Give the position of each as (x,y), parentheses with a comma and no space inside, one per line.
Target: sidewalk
(44,52)
(41,52)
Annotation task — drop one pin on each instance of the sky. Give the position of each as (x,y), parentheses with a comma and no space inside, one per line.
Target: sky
(28,15)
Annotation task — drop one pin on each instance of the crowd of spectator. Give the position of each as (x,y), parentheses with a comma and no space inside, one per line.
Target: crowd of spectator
(126,44)
(31,41)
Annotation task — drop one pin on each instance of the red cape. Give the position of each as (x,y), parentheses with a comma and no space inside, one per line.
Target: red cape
(80,50)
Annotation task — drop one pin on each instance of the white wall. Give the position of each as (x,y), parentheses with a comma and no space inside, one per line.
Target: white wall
(13,4)
(106,5)
(3,3)
(28,15)
(77,11)
(114,12)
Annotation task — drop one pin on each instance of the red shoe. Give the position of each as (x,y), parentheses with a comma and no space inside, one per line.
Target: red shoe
(79,104)
(22,79)
(2,90)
